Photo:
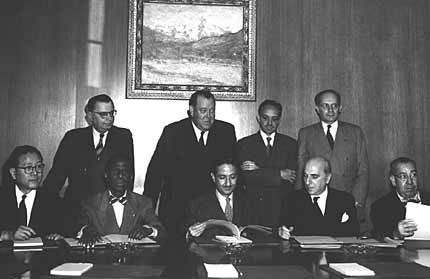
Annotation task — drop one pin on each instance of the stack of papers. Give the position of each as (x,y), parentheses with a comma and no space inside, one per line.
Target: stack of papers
(112,238)
(221,271)
(32,242)
(71,269)
(233,239)
(318,242)
(352,269)
(419,213)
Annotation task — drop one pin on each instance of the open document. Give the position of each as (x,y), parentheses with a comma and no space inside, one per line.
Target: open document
(420,214)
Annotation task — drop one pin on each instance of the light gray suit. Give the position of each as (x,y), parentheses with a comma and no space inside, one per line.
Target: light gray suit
(348,158)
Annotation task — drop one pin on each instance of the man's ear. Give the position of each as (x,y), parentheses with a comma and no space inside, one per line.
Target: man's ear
(12,172)
(213,177)
(341,108)
(393,180)
(328,178)
(191,110)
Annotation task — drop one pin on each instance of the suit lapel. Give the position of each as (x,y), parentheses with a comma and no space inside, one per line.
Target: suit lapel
(218,211)
(129,215)
(106,213)
(340,141)
(90,143)
(322,142)
(35,211)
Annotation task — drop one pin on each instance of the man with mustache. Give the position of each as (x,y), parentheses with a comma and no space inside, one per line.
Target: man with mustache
(388,213)
(269,162)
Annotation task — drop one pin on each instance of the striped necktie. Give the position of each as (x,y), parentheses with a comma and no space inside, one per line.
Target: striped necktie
(99,147)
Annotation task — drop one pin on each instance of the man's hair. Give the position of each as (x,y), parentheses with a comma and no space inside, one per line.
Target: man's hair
(204,93)
(272,103)
(401,160)
(324,161)
(227,161)
(13,161)
(118,157)
(319,95)
(102,98)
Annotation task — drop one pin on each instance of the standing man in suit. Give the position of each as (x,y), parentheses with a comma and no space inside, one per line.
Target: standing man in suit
(343,144)
(26,209)
(269,163)
(82,155)
(388,213)
(179,170)
(227,202)
(318,209)
(118,210)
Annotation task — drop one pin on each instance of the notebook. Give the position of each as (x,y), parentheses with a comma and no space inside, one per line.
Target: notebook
(32,242)
(352,269)
(71,269)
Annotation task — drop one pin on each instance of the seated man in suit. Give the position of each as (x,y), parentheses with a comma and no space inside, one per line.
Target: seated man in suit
(388,213)
(26,209)
(318,209)
(269,162)
(226,202)
(118,210)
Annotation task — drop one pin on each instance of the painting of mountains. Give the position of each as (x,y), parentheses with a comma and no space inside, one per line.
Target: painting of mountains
(192,45)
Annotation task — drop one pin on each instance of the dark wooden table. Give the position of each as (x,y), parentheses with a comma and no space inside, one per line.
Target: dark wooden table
(276,259)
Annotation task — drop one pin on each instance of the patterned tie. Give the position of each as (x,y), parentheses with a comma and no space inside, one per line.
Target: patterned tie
(268,147)
(317,206)
(22,211)
(330,137)
(99,147)
(113,199)
(201,140)
(228,210)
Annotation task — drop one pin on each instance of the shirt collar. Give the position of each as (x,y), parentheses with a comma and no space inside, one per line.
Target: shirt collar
(417,197)
(323,195)
(19,193)
(197,131)
(96,134)
(264,136)
(222,197)
(125,194)
(333,126)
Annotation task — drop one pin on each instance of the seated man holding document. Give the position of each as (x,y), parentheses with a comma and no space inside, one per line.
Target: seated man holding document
(118,210)
(318,209)
(227,202)
(389,212)
(26,209)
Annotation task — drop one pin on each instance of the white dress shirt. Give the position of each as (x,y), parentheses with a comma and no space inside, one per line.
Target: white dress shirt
(264,136)
(118,209)
(29,201)
(96,137)
(417,197)
(198,132)
(322,201)
(333,128)
(222,200)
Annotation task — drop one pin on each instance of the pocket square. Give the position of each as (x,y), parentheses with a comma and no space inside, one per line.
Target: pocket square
(345,217)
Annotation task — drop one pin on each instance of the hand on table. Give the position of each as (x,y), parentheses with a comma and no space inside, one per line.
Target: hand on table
(23,233)
(284,232)
(197,229)
(89,237)
(140,232)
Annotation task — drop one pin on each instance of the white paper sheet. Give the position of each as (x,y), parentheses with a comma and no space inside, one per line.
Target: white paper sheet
(420,214)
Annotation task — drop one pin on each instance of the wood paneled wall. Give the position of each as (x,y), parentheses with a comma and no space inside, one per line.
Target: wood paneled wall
(376,53)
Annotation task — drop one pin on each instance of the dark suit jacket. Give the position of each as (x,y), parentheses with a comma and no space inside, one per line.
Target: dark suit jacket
(265,185)
(207,207)
(388,211)
(45,216)
(138,210)
(348,158)
(180,167)
(76,160)
(299,211)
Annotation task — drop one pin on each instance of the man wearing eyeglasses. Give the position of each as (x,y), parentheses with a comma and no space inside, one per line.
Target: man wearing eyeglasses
(388,213)
(26,210)
(342,143)
(82,154)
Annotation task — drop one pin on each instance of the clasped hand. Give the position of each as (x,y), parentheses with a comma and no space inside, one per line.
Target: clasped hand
(197,229)
(285,232)
(407,227)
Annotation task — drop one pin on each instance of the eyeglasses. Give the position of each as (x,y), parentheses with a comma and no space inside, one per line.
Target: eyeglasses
(105,114)
(404,176)
(329,106)
(30,169)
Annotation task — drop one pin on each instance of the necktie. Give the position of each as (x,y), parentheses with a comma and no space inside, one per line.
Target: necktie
(99,147)
(228,210)
(201,140)
(411,200)
(316,205)
(22,211)
(268,147)
(330,137)
(113,199)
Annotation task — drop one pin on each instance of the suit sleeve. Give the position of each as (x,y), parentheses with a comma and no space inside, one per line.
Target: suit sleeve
(58,173)
(361,186)
(302,156)
(148,217)
(130,149)
(155,173)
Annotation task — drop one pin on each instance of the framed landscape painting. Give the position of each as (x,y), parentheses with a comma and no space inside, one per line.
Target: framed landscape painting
(176,47)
